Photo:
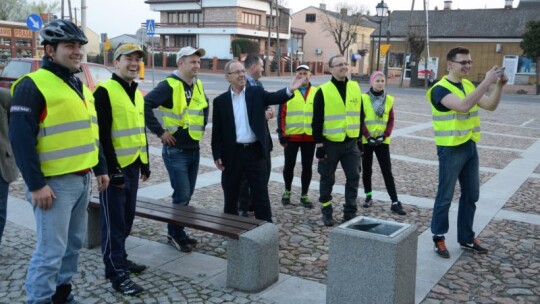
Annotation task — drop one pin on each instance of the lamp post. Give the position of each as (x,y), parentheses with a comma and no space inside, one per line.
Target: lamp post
(382,9)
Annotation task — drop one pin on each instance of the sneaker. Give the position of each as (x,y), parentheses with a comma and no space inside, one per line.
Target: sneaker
(134,267)
(328,221)
(128,287)
(397,208)
(192,241)
(304,199)
(286,198)
(183,247)
(368,202)
(475,247)
(440,248)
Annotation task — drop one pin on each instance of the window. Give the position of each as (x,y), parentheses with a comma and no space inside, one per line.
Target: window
(172,17)
(251,18)
(185,40)
(310,18)
(194,17)
(182,17)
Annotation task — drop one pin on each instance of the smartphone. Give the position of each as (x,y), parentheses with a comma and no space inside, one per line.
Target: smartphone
(501,72)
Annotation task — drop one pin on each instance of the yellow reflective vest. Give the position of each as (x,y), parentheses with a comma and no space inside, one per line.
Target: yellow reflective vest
(68,135)
(376,125)
(128,128)
(183,116)
(300,113)
(341,119)
(454,128)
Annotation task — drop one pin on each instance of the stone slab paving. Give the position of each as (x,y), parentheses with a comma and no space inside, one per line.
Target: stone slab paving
(509,177)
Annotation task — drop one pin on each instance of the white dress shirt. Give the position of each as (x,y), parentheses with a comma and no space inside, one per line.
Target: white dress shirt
(244,134)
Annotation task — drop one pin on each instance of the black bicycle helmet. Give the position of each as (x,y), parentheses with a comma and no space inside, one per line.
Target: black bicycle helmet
(61,30)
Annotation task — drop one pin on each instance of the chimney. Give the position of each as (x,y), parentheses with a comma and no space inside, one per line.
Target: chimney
(447,5)
(343,11)
(322,6)
(508,4)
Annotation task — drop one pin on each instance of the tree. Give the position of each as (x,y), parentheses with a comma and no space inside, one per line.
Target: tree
(417,43)
(342,26)
(17,10)
(531,47)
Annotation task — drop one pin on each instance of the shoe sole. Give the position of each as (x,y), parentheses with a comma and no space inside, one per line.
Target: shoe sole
(442,256)
(473,250)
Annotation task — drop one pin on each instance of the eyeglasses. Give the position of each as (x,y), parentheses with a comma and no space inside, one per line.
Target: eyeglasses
(464,62)
(239,72)
(346,64)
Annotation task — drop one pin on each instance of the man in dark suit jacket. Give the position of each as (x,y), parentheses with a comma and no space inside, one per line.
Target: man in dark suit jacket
(240,140)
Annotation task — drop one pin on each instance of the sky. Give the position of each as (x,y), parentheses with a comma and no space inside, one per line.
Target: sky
(117,17)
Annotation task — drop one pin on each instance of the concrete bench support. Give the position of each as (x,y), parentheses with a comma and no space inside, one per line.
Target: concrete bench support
(253,260)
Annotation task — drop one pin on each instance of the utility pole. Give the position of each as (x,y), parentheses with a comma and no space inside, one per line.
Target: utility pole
(278,46)
(426,71)
(83,26)
(407,48)
(269,26)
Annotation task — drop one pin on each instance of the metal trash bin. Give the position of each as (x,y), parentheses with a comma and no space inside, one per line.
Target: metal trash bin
(372,261)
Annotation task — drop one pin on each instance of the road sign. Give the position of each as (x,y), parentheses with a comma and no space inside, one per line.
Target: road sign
(150,27)
(34,22)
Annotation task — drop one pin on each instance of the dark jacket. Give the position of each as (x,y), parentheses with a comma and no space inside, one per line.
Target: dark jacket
(224,129)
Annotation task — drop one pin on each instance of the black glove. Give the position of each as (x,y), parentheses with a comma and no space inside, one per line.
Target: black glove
(284,140)
(372,142)
(116,177)
(380,140)
(145,170)
(320,153)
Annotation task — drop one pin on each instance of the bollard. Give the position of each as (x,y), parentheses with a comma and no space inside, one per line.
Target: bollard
(141,70)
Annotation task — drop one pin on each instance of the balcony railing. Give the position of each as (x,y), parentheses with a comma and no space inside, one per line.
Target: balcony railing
(264,28)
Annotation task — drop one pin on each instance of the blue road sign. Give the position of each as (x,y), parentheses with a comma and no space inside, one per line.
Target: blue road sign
(34,22)
(150,27)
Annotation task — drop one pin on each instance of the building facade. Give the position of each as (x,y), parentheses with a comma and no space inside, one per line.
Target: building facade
(213,24)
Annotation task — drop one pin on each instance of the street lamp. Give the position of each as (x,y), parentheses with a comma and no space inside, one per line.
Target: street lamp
(382,10)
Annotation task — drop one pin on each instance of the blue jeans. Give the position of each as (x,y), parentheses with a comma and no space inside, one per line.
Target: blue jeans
(4,186)
(458,163)
(182,166)
(60,231)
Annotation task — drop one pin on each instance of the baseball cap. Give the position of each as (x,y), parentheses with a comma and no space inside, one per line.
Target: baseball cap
(128,48)
(303,66)
(188,51)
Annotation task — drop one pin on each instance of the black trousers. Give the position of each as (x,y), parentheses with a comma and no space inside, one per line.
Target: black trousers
(248,161)
(383,156)
(307,150)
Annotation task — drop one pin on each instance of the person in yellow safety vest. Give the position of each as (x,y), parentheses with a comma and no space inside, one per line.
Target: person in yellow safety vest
(184,106)
(54,135)
(454,105)
(120,112)
(294,132)
(377,124)
(336,131)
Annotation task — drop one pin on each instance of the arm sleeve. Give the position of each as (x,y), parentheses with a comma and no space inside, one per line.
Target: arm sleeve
(104,115)
(217,140)
(282,114)
(389,124)
(159,96)
(437,94)
(318,117)
(28,106)
(101,167)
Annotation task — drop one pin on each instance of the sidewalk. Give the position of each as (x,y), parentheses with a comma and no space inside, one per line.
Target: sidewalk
(507,222)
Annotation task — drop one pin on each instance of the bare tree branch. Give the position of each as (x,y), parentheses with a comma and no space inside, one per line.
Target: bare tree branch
(342,26)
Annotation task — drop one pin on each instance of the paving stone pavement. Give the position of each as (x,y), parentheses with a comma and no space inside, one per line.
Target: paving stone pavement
(508,274)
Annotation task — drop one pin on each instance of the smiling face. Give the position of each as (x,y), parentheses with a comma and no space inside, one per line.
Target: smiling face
(67,54)
(339,68)
(460,66)
(189,66)
(127,66)
(236,75)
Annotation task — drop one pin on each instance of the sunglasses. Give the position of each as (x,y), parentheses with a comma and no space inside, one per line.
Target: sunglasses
(464,62)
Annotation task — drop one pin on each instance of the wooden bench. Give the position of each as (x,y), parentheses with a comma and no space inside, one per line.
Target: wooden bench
(252,249)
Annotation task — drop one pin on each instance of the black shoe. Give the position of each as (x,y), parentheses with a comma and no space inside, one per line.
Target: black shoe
(286,198)
(243,213)
(192,241)
(134,267)
(440,248)
(328,221)
(347,216)
(397,208)
(128,287)
(368,202)
(475,247)
(304,199)
(180,246)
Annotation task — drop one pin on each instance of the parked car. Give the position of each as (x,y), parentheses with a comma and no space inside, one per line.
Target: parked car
(91,73)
